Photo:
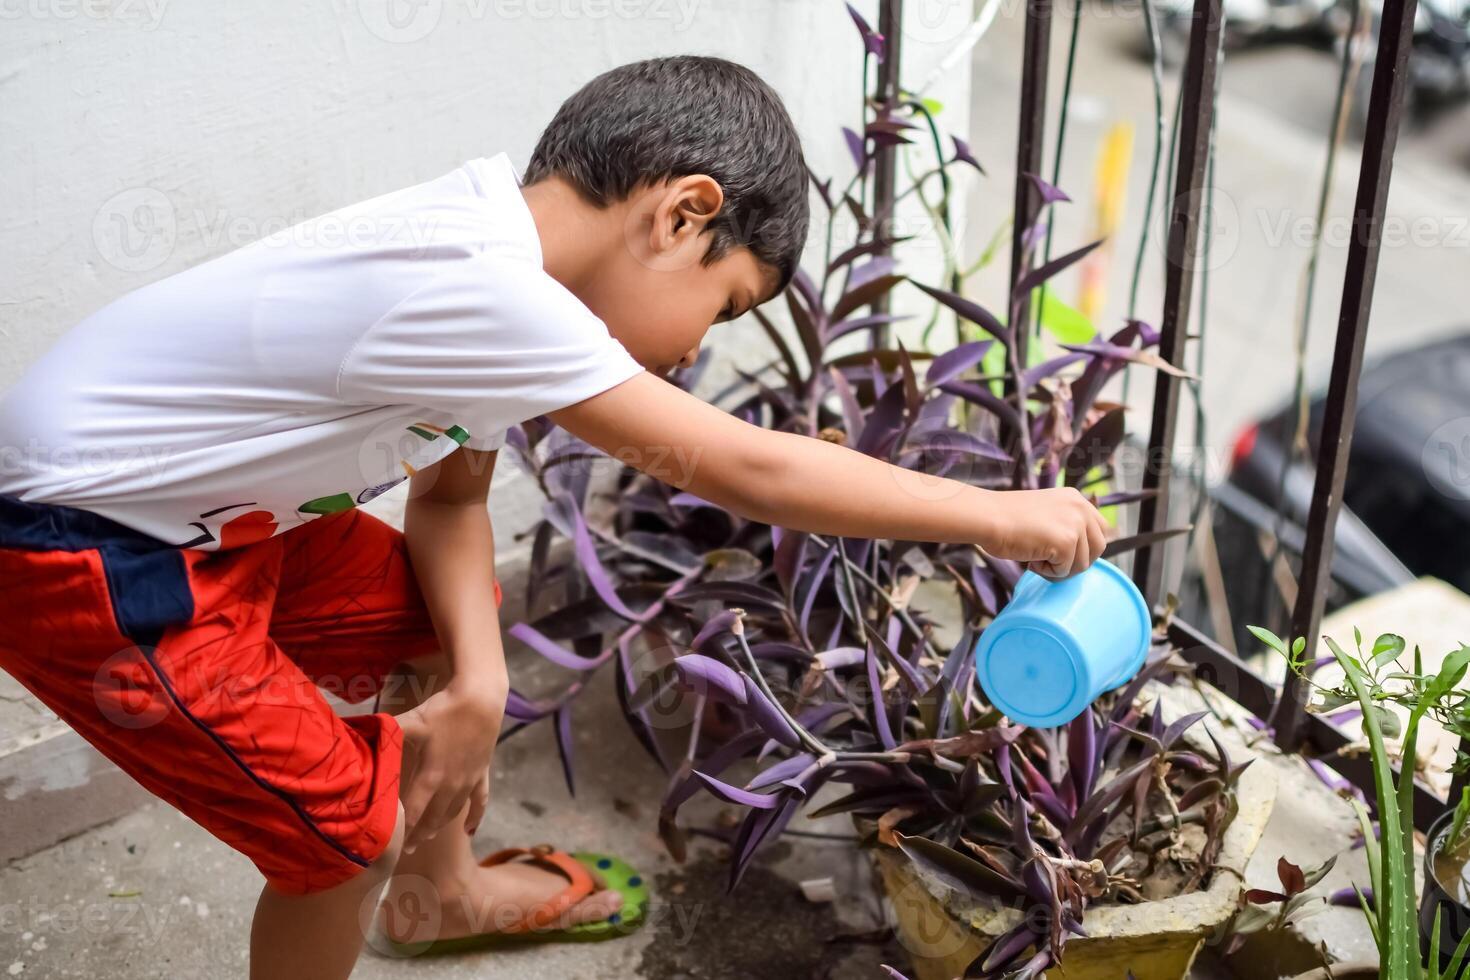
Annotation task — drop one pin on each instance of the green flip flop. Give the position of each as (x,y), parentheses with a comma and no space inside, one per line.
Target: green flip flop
(616,874)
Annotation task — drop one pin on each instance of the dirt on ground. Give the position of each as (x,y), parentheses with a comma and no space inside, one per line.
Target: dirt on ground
(766,930)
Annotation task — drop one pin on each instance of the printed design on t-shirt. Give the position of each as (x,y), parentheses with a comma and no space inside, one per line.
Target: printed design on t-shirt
(258,524)
(240,530)
(438,443)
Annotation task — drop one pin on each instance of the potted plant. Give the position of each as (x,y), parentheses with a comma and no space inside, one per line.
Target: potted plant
(820,661)
(1374,681)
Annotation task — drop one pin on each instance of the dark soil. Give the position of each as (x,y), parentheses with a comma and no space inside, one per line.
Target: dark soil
(766,930)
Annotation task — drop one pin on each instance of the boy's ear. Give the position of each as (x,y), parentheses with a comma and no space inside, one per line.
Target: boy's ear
(682,213)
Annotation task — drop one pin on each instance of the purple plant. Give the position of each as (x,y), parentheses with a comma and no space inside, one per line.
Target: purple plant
(810,655)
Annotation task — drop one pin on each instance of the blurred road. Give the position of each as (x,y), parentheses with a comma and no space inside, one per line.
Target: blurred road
(1273,116)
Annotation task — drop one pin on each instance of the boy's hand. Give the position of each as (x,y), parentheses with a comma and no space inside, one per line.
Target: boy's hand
(1056,532)
(451,738)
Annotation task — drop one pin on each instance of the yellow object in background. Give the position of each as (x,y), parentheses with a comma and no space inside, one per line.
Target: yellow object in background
(1110,192)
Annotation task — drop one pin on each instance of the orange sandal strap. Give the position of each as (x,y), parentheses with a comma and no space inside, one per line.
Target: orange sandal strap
(580,884)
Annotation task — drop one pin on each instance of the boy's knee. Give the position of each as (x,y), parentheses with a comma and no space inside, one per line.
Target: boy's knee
(382,866)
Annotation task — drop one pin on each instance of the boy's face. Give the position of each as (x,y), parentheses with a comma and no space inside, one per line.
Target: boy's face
(657,295)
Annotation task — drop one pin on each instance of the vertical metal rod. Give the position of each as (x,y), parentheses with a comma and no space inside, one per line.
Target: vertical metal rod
(1030,137)
(885,162)
(1385,108)
(1197,109)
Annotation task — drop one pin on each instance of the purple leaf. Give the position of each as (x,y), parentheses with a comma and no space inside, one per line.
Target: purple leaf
(767,715)
(564,745)
(981,395)
(690,500)
(864,294)
(852,412)
(1082,753)
(757,827)
(736,795)
(534,639)
(592,567)
(958,871)
(1008,946)
(789,556)
(1033,235)
(955,362)
(880,710)
(684,784)
(839,657)
(855,323)
(963,154)
(521,709)
(856,147)
(941,441)
(1049,193)
(716,625)
(1178,727)
(878,265)
(971,311)
(780,771)
(745,594)
(873,42)
(1047,368)
(1042,273)
(711,678)
(884,424)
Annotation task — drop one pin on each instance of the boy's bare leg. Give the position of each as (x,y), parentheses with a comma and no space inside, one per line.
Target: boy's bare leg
(317,936)
(440,891)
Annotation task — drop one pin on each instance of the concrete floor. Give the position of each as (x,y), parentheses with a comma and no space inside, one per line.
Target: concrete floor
(152,895)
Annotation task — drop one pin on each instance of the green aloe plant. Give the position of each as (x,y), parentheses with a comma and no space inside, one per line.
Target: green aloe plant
(1373,681)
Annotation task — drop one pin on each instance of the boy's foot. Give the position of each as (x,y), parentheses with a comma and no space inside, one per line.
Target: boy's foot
(485,900)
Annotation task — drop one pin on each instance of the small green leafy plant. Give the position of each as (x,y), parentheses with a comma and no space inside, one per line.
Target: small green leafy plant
(1374,681)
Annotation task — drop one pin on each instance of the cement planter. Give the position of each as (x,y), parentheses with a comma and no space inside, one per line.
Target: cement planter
(944,933)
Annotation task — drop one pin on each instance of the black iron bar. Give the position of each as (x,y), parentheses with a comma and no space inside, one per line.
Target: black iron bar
(885,158)
(1197,108)
(1385,108)
(1030,137)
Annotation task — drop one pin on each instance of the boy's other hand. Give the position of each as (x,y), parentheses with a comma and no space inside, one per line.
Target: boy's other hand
(1056,532)
(450,739)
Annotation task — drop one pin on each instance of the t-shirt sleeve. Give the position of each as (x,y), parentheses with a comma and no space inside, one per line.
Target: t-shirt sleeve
(492,342)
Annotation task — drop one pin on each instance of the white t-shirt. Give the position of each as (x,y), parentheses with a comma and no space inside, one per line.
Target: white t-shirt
(310,371)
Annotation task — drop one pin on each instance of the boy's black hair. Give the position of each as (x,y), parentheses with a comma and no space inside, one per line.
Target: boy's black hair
(672,117)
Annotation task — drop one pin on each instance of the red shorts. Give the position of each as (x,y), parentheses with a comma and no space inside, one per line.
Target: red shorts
(198,673)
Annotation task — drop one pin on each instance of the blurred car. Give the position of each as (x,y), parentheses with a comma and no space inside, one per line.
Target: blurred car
(1439,62)
(1246,22)
(1406,501)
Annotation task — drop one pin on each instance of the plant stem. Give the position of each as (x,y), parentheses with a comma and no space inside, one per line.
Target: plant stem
(807,739)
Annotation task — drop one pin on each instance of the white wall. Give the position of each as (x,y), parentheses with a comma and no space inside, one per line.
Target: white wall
(140,137)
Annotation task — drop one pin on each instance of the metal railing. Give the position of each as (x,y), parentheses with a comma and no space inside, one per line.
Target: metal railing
(1285,707)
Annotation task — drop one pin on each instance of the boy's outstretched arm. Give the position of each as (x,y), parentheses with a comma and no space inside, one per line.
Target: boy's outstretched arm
(811,485)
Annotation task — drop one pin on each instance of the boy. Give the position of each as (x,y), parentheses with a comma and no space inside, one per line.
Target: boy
(181,563)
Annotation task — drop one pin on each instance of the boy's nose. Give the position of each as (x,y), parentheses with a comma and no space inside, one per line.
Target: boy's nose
(690,356)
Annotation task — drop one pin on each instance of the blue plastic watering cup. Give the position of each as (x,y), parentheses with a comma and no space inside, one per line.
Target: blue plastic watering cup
(1056,646)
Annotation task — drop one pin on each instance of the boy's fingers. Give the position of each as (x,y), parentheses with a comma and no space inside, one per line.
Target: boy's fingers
(1097,537)
(1084,553)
